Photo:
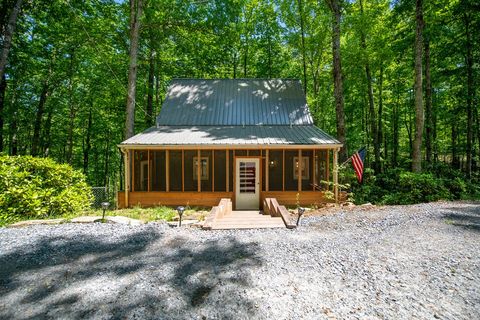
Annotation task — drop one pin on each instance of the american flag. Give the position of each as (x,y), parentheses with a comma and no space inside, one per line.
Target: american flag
(357,161)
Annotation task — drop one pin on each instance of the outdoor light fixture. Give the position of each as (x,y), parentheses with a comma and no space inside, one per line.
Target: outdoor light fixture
(180,211)
(301,211)
(105,206)
(272,163)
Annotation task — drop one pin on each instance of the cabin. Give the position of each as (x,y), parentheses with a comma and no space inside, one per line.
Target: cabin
(240,139)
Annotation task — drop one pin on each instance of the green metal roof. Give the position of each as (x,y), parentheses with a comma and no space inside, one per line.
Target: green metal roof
(232,135)
(238,102)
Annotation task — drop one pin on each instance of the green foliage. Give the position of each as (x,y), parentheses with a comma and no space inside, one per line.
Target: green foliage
(39,188)
(148,214)
(398,186)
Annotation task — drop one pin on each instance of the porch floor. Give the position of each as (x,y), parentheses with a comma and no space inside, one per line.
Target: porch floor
(247,220)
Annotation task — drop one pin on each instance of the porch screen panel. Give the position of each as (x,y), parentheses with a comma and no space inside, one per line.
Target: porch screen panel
(275,170)
(321,168)
(140,170)
(158,170)
(307,174)
(291,183)
(190,172)
(175,164)
(219,170)
(254,153)
(206,170)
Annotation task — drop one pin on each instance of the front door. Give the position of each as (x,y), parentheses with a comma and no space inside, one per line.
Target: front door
(247,183)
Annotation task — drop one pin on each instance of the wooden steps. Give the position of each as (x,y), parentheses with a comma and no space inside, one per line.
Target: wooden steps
(247,220)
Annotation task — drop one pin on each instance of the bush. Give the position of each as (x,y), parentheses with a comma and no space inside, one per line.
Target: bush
(40,188)
(416,188)
(399,186)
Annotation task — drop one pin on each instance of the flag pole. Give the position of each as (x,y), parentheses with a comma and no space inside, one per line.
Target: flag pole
(350,158)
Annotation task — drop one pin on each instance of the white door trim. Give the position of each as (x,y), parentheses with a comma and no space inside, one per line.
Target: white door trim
(246,197)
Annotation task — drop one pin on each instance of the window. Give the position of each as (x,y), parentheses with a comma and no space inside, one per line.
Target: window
(305,168)
(203,168)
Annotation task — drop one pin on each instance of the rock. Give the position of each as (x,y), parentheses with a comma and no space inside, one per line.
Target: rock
(85,219)
(27,223)
(124,220)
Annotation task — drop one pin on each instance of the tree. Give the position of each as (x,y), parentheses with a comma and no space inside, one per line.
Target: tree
(7,35)
(417,142)
(335,8)
(136,7)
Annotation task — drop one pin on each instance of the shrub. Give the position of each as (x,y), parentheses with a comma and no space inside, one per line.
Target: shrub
(399,186)
(416,188)
(39,188)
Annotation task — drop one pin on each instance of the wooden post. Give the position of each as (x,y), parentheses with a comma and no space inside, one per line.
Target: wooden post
(227,168)
(283,170)
(213,170)
(199,183)
(127,175)
(183,170)
(148,170)
(167,170)
(267,166)
(314,166)
(133,170)
(299,170)
(327,169)
(335,174)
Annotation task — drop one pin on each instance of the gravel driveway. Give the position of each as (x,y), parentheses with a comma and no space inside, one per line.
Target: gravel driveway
(398,262)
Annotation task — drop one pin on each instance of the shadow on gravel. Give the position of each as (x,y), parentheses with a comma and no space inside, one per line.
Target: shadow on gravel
(147,278)
(466,217)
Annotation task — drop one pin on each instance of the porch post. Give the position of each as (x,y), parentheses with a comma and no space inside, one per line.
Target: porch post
(327,168)
(199,183)
(227,171)
(335,174)
(127,175)
(299,170)
(267,165)
(167,170)
(148,170)
(314,166)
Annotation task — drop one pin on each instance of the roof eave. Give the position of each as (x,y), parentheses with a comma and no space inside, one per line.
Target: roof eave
(229,146)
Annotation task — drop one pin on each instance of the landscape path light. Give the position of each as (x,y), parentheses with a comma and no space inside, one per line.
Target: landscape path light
(180,211)
(301,211)
(105,206)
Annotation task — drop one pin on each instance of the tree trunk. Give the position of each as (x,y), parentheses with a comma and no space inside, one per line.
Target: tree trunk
(13,135)
(380,122)
(470,93)
(73,111)
(245,58)
(136,7)
(395,127)
(107,162)
(417,142)
(151,73)
(3,87)
(337,76)
(47,139)
(371,104)
(88,145)
(7,38)
(302,34)
(38,119)
(428,104)
(455,160)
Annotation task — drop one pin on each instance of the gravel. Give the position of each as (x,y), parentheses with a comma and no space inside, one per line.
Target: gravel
(397,262)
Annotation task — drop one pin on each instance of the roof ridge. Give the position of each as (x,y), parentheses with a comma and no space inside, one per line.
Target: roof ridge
(195,79)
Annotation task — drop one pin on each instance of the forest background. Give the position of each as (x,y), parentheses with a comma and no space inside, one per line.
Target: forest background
(400,77)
